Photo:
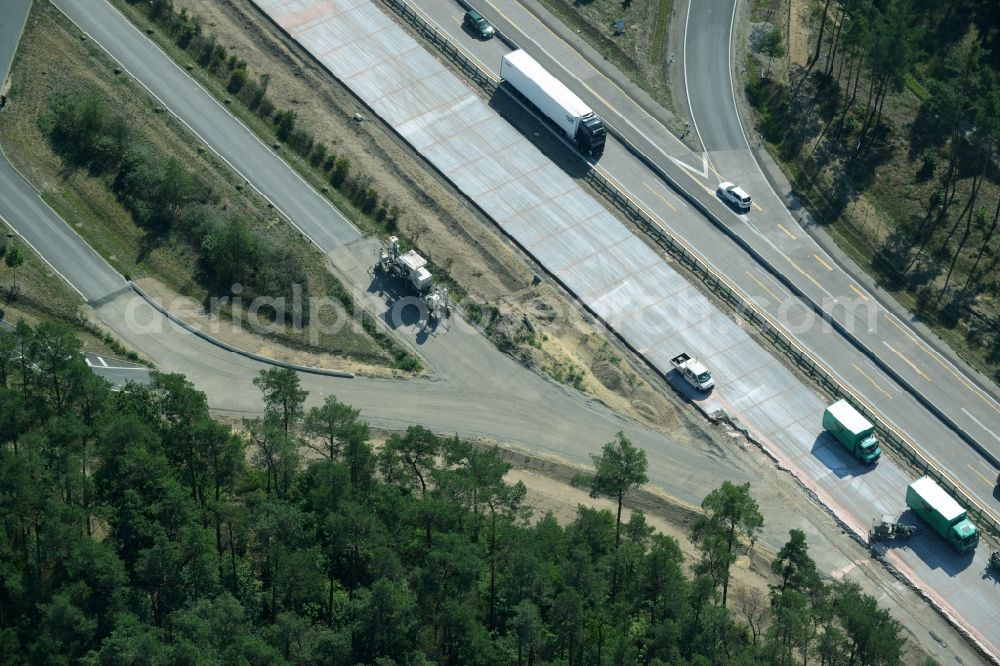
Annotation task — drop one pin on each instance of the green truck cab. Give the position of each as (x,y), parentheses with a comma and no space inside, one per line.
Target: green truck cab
(942,513)
(853,430)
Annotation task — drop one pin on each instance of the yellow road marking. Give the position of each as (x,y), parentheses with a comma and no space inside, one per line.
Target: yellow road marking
(754,204)
(892,320)
(820,260)
(887,394)
(960,378)
(662,198)
(763,286)
(787,232)
(811,278)
(857,291)
(982,476)
(908,361)
(699,183)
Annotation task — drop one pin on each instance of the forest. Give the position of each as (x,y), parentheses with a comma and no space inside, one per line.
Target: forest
(889,131)
(137,529)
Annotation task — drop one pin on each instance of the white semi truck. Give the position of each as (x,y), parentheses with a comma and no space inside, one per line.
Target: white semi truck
(557,102)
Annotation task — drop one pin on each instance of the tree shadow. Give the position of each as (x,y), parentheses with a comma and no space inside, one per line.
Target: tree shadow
(861,168)
(925,132)
(892,258)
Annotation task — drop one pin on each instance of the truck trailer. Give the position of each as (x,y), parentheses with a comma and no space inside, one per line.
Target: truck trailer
(942,513)
(555,101)
(854,431)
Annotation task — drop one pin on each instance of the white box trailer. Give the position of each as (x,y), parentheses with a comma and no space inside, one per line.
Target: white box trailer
(557,102)
(420,277)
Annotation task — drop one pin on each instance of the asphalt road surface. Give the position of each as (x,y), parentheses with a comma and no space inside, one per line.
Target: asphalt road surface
(12,19)
(707,54)
(39,226)
(23,209)
(116,371)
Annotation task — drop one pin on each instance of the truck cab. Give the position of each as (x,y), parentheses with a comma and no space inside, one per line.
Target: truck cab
(963,536)
(591,135)
(868,450)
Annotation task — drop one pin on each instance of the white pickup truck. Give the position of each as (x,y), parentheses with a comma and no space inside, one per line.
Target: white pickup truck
(694,372)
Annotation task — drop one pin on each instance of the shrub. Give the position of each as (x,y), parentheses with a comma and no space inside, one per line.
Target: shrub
(254,95)
(158,9)
(301,140)
(358,186)
(136,178)
(84,130)
(318,154)
(407,362)
(265,108)
(207,49)
(369,201)
(341,168)
(237,79)
(217,57)
(187,28)
(285,122)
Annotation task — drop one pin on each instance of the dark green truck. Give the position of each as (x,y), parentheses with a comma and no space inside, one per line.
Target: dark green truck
(853,430)
(942,513)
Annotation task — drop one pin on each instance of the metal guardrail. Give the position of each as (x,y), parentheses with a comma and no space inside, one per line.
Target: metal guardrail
(727,291)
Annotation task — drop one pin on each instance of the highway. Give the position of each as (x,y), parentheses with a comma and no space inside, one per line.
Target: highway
(12,18)
(624,283)
(471,382)
(309,211)
(707,52)
(785,245)
(470,376)
(39,226)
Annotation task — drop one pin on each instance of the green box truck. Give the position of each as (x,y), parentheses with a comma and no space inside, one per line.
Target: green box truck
(853,430)
(943,513)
